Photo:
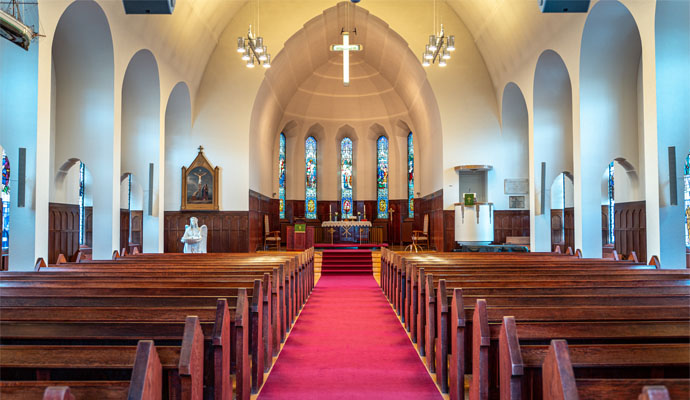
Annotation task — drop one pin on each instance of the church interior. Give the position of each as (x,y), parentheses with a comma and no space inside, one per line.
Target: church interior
(361,199)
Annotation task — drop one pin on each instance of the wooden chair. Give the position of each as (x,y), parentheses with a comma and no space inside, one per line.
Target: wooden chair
(422,236)
(270,236)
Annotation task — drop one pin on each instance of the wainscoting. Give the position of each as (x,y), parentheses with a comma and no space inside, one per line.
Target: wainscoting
(228,231)
(63,230)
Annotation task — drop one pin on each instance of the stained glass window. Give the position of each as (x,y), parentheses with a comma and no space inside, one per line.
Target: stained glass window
(612,236)
(81,203)
(382,177)
(410,177)
(346,177)
(310,195)
(686,180)
(5,195)
(281,176)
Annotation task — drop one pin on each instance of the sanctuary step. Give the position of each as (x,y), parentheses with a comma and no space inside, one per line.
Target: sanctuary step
(346,261)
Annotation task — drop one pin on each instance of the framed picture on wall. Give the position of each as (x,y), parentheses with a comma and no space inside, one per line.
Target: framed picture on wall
(516,201)
(200,187)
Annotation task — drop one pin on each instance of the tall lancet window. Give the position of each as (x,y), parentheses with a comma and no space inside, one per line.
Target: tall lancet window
(281,176)
(382,177)
(82,230)
(612,225)
(686,179)
(346,177)
(410,177)
(5,195)
(310,148)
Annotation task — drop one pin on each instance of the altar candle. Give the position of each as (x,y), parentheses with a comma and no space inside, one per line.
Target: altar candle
(365,211)
(329,208)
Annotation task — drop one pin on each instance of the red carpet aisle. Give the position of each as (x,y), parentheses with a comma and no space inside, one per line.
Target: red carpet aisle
(348,344)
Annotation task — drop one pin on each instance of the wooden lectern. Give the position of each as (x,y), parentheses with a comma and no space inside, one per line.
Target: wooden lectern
(300,236)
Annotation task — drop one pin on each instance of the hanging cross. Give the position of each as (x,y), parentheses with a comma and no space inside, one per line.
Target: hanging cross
(346,48)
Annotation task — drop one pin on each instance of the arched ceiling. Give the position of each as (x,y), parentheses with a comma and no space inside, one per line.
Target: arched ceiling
(502,29)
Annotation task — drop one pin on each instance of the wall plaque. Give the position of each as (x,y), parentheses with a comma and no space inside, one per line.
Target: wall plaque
(516,186)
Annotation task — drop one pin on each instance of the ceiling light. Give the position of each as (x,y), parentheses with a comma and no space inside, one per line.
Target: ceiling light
(438,49)
(253,50)
(240,45)
(267,63)
(250,63)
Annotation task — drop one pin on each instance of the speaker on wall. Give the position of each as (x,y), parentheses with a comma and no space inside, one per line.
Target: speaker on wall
(564,6)
(151,189)
(21,178)
(542,199)
(149,6)
(672,177)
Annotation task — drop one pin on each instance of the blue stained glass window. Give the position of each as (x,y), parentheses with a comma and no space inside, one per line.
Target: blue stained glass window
(346,177)
(5,195)
(612,236)
(686,180)
(281,176)
(410,177)
(82,235)
(382,177)
(310,148)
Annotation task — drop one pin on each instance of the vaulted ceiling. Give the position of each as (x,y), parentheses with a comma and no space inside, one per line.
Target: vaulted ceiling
(502,29)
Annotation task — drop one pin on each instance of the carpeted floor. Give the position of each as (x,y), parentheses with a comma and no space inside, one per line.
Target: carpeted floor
(348,344)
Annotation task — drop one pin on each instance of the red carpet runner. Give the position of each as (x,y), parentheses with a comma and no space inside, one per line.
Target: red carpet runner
(346,261)
(348,344)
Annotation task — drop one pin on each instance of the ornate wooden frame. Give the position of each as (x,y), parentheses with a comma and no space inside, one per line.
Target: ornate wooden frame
(200,161)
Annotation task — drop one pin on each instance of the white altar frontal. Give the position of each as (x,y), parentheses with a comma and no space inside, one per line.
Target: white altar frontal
(474,225)
(347,231)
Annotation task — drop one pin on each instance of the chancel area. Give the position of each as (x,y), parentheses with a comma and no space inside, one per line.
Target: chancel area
(345,199)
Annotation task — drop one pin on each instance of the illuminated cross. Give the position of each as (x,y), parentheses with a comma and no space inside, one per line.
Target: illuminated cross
(346,48)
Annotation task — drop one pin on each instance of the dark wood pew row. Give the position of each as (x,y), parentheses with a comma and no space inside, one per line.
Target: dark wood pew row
(592,325)
(93,276)
(146,371)
(632,366)
(474,274)
(559,382)
(150,311)
(33,367)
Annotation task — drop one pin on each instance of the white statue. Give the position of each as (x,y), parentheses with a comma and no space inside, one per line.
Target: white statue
(194,237)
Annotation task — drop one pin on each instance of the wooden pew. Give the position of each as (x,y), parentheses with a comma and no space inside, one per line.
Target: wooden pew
(135,324)
(610,325)
(559,382)
(520,366)
(184,365)
(146,381)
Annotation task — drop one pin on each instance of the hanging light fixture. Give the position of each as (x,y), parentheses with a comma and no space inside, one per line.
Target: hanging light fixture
(439,48)
(252,47)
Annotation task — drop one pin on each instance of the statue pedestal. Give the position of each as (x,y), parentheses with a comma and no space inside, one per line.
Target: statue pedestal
(474,225)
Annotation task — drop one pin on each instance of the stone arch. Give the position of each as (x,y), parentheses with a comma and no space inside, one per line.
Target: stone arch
(552,135)
(610,101)
(141,137)
(407,78)
(178,125)
(83,65)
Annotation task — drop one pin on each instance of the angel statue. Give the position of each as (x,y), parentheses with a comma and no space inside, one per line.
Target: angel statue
(194,237)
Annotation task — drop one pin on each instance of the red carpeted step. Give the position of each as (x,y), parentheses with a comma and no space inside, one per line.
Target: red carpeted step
(348,344)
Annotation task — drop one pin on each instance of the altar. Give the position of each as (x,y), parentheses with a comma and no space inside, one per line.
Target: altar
(346,231)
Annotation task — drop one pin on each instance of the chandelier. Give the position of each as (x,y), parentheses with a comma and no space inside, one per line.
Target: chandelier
(252,48)
(440,46)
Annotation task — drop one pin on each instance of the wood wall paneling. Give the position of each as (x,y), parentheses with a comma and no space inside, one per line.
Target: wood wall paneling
(227,230)
(63,230)
(510,223)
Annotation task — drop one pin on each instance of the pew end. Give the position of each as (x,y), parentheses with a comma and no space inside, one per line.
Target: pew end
(481,340)
(457,347)
(633,256)
(116,255)
(61,259)
(557,373)
(578,253)
(510,364)
(57,393)
(220,340)
(242,363)
(654,260)
(569,251)
(40,263)
(147,374)
(191,365)
(654,393)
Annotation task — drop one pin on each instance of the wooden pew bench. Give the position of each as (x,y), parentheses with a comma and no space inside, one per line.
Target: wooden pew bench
(146,380)
(559,382)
